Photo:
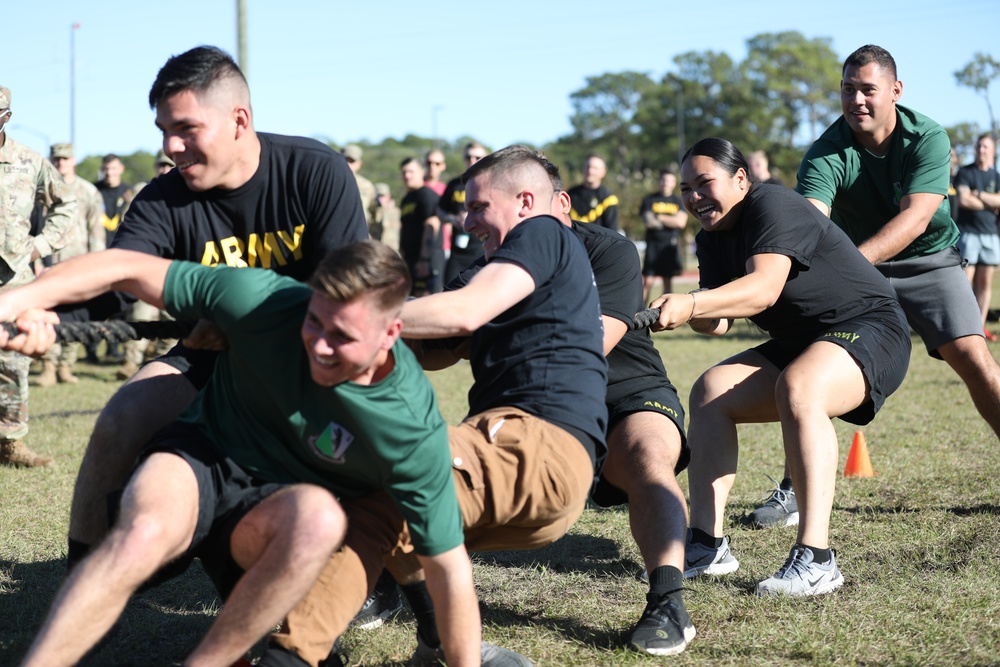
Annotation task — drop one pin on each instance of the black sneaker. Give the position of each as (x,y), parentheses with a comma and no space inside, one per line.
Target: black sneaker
(384,603)
(665,627)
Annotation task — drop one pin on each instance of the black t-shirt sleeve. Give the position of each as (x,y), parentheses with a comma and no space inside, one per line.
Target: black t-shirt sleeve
(619,279)
(775,224)
(534,245)
(336,215)
(147,226)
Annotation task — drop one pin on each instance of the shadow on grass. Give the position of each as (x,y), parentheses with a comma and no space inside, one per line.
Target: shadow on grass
(162,625)
(972,510)
(571,628)
(585,554)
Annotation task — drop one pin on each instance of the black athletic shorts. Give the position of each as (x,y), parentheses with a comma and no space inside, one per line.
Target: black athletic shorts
(661,400)
(225,494)
(196,365)
(663,258)
(879,341)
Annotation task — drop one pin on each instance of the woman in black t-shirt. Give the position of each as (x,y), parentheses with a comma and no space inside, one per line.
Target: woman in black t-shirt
(839,346)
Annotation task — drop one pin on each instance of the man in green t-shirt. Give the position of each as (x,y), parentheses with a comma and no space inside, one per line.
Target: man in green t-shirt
(315,397)
(881,172)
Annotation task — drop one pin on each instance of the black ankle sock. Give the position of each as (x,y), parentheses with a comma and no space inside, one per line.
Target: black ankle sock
(820,556)
(786,484)
(665,579)
(423,609)
(76,552)
(699,536)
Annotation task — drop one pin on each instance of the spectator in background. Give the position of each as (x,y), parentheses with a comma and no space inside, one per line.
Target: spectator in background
(978,205)
(353,154)
(117,194)
(664,218)
(952,192)
(465,247)
(385,228)
(138,351)
(760,168)
(420,240)
(86,235)
(591,200)
(26,178)
(435,164)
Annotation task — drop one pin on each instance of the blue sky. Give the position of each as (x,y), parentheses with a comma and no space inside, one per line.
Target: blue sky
(501,72)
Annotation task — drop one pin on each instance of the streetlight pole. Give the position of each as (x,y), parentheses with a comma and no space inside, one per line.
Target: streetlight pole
(72,82)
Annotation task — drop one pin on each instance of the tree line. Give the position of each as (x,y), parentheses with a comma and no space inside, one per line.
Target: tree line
(778,99)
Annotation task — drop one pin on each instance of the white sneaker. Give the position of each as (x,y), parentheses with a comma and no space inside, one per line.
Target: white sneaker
(699,559)
(801,575)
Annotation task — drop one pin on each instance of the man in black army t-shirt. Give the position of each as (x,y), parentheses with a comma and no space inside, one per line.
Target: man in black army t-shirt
(235,198)
(420,236)
(465,247)
(591,201)
(665,219)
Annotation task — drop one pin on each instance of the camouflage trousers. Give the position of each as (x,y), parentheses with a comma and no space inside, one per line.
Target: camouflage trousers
(13,374)
(137,351)
(63,353)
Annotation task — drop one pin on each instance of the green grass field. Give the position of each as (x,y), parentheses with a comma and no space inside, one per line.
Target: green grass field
(919,546)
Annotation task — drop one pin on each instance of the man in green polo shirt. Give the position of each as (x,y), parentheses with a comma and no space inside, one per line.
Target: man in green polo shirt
(881,172)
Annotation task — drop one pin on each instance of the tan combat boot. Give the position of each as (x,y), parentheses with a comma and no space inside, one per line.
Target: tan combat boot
(128,369)
(65,374)
(47,378)
(16,453)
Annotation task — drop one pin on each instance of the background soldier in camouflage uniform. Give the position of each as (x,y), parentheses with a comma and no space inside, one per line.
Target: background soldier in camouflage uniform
(86,235)
(139,351)
(25,178)
(386,220)
(353,154)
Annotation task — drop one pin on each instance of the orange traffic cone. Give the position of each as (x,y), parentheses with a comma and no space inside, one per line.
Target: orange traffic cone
(858,462)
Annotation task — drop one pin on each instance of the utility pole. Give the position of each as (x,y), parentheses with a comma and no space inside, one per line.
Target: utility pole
(241,36)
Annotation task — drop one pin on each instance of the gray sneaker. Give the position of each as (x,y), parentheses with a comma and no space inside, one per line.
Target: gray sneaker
(779,509)
(800,575)
(491,656)
(699,559)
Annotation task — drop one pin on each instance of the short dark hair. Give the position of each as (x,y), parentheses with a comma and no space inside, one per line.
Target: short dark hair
(505,161)
(668,172)
(110,157)
(410,159)
(723,152)
(869,53)
(198,70)
(553,171)
(366,269)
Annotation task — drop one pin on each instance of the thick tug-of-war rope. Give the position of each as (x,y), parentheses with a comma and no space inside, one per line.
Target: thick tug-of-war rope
(644,318)
(113,331)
